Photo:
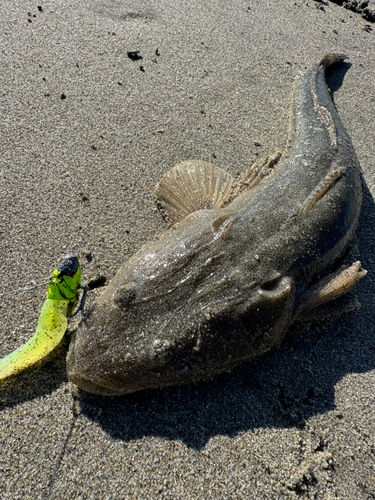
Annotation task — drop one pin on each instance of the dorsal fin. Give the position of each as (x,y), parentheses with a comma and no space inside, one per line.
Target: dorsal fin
(190,186)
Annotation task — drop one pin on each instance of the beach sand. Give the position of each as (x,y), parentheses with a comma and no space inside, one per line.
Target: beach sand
(86,133)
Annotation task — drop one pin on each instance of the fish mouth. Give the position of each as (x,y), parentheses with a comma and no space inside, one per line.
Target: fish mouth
(81,381)
(84,377)
(87,385)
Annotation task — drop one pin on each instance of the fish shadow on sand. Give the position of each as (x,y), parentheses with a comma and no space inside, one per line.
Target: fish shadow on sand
(283,388)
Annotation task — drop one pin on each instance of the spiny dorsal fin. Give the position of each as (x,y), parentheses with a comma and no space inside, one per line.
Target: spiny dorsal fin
(254,175)
(190,186)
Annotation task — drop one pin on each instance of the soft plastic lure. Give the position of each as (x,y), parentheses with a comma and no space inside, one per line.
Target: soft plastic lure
(62,297)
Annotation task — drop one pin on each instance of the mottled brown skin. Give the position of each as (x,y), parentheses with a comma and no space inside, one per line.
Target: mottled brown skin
(222,286)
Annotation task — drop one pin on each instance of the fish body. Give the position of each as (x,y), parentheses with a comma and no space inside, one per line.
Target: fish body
(223,285)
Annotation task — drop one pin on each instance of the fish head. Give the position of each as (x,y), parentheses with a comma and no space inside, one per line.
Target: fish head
(142,334)
(191,304)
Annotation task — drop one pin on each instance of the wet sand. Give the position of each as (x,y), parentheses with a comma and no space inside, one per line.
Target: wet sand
(86,133)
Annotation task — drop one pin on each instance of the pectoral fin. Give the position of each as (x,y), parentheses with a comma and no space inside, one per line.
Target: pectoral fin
(316,301)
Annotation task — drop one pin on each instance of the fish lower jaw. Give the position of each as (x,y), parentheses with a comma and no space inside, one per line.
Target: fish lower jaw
(88,385)
(82,381)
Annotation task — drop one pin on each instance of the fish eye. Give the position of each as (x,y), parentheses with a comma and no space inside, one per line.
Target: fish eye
(276,288)
(125,296)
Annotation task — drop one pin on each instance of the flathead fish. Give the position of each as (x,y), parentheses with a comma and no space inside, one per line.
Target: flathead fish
(244,260)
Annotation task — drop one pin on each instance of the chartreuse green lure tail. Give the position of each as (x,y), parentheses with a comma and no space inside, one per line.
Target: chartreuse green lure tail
(62,297)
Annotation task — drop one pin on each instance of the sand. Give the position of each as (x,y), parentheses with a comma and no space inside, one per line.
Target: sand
(86,133)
